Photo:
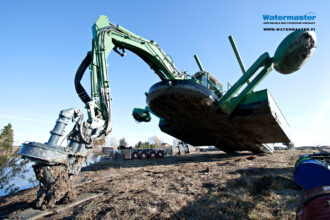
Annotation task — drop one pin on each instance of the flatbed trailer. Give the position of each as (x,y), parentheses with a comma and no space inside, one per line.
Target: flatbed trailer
(146,153)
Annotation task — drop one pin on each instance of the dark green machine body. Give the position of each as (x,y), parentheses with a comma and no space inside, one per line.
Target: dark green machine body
(198,112)
(189,113)
(193,108)
(239,119)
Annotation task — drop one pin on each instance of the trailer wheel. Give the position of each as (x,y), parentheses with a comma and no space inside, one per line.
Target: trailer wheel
(152,155)
(135,155)
(143,155)
(160,154)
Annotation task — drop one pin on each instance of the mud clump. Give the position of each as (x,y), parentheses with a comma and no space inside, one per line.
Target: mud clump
(55,185)
(99,141)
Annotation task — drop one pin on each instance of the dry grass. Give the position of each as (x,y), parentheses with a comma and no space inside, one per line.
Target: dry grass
(200,186)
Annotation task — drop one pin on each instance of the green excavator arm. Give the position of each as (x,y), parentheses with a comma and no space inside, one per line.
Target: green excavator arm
(108,37)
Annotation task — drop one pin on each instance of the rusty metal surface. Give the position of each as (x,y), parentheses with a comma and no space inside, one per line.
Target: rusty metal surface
(189,113)
(315,204)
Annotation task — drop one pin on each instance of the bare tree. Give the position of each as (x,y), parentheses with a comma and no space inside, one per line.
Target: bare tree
(155,140)
(113,142)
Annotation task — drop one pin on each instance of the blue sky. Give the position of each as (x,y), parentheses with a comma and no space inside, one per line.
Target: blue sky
(43,43)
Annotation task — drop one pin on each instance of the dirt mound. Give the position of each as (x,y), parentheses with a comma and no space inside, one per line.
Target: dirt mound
(198,186)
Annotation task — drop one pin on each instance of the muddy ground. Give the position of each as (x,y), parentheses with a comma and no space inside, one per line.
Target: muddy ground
(209,185)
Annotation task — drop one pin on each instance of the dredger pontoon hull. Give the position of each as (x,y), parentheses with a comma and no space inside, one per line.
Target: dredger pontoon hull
(189,113)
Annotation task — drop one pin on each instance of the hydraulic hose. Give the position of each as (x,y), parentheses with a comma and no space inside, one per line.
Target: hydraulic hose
(79,74)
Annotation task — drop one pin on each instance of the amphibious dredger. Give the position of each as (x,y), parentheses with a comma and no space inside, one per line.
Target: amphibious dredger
(194,109)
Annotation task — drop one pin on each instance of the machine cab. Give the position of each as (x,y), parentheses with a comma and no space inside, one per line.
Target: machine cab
(208,80)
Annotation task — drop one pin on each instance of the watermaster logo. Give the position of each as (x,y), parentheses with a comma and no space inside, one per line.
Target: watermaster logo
(277,22)
(289,18)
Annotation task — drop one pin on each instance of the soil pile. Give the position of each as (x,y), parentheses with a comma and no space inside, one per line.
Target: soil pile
(196,186)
